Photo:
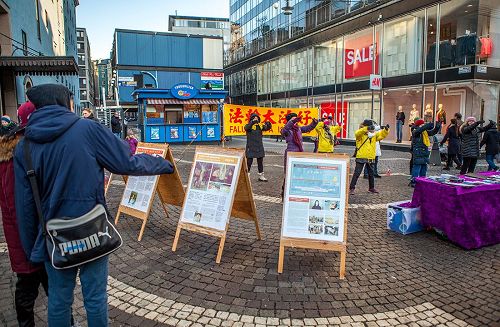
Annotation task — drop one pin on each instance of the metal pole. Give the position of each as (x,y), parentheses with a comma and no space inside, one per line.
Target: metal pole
(436,61)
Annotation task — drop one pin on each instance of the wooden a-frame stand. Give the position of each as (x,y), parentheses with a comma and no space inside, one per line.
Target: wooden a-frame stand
(168,187)
(311,243)
(242,202)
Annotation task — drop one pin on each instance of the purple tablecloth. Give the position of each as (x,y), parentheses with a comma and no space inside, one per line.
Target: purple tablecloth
(469,217)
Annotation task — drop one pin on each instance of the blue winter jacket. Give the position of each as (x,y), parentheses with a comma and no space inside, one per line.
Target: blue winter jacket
(69,155)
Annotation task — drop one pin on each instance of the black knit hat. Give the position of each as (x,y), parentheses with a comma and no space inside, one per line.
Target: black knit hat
(49,94)
(290,116)
(367,122)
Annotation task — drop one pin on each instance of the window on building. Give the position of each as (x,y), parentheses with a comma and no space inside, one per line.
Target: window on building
(37,13)
(211,24)
(25,42)
(194,23)
(84,81)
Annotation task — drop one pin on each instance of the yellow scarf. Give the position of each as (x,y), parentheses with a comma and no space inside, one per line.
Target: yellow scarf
(254,127)
(425,139)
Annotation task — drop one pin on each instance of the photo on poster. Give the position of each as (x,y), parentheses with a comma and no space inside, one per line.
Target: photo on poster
(313,179)
(331,220)
(332,230)
(211,132)
(174,133)
(192,134)
(316,219)
(333,205)
(316,204)
(201,175)
(155,133)
(132,198)
(197,216)
(315,229)
(222,173)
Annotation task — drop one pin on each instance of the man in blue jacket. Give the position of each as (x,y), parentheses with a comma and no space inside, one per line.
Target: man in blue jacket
(69,155)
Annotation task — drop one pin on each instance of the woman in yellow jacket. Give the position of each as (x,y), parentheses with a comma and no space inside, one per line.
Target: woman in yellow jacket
(326,135)
(366,140)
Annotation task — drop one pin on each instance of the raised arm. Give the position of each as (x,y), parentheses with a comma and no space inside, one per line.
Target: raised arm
(487,127)
(360,132)
(382,134)
(433,130)
(248,127)
(267,126)
(310,127)
(287,128)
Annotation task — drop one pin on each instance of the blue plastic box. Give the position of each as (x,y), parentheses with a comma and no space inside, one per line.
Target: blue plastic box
(403,219)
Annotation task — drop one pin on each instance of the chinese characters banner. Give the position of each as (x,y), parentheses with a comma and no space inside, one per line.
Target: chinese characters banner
(236,117)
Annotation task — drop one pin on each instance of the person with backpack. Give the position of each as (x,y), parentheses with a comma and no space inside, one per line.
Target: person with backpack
(491,139)
(255,146)
(67,156)
(366,144)
(420,143)
(470,131)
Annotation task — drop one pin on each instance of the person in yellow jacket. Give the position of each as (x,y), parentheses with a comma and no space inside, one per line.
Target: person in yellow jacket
(366,142)
(326,135)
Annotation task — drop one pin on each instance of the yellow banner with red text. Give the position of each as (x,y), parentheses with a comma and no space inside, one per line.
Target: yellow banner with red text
(236,117)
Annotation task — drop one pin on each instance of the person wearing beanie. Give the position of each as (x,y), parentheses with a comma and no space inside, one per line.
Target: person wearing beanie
(24,112)
(420,143)
(57,135)
(292,133)
(365,153)
(378,154)
(29,276)
(326,135)
(255,146)
(470,131)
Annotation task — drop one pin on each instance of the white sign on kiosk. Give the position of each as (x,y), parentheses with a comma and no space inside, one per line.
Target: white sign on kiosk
(212,185)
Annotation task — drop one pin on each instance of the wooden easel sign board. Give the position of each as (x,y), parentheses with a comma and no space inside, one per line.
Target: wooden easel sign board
(215,177)
(140,191)
(315,204)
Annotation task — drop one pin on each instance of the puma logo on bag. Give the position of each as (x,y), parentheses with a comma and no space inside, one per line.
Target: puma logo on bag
(83,244)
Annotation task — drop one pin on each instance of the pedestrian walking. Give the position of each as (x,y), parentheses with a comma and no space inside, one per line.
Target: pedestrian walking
(116,125)
(255,146)
(420,144)
(88,114)
(470,131)
(453,137)
(458,117)
(491,139)
(378,154)
(292,133)
(131,141)
(326,135)
(400,121)
(70,190)
(29,276)
(365,153)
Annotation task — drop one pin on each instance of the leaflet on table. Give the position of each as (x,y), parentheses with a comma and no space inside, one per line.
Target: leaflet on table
(315,199)
(140,189)
(212,185)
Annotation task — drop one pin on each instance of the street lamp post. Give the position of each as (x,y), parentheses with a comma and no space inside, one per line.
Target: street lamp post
(288,10)
(153,76)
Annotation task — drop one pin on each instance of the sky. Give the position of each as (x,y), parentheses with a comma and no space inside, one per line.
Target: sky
(101,17)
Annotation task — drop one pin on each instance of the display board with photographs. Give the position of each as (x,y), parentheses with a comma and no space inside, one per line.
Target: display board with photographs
(218,188)
(315,203)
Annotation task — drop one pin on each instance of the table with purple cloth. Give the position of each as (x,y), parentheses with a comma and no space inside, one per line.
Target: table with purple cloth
(469,217)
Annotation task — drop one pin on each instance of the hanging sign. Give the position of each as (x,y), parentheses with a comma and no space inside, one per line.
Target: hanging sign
(359,55)
(375,82)
(212,81)
(236,117)
(315,204)
(184,91)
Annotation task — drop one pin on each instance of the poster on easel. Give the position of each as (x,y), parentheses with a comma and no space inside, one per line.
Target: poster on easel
(218,189)
(315,204)
(140,191)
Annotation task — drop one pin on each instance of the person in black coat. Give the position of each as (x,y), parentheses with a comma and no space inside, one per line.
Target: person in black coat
(492,140)
(470,132)
(453,137)
(116,125)
(255,147)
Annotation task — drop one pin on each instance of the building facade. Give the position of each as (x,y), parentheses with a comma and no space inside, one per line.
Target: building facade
(162,61)
(37,46)
(430,55)
(86,70)
(103,69)
(208,26)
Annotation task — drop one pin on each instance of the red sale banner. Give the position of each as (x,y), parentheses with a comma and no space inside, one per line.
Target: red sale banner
(359,55)
(339,113)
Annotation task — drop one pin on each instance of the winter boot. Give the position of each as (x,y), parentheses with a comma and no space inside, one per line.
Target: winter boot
(262,178)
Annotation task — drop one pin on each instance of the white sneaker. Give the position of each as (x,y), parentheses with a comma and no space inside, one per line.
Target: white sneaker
(262,178)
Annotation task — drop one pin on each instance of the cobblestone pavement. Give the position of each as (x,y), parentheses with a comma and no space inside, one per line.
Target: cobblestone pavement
(413,280)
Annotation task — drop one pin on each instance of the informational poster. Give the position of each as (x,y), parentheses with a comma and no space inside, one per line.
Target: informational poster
(174,132)
(192,134)
(315,199)
(212,81)
(139,190)
(211,132)
(236,117)
(155,133)
(210,190)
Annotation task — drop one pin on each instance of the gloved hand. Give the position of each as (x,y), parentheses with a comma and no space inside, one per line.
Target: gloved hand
(386,127)
(480,122)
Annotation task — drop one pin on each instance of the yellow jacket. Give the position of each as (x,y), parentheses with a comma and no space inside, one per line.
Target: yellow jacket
(324,142)
(368,149)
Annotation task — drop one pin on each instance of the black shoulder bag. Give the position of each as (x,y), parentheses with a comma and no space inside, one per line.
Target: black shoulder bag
(72,242)
(357,149)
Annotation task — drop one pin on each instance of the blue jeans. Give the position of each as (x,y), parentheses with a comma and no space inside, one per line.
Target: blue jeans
(399,130)
(418,171)
(490,159)
(93,278)
(118,135)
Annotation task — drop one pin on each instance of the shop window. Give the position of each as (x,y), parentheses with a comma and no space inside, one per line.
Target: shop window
(209,113)
(192,114)
(403,40)
(410,100)
(324,63)
(489,31)
(431,28)
(458,38)
(360,108)
(298,70)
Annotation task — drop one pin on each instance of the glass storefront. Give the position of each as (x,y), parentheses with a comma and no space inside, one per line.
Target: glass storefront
(410,101)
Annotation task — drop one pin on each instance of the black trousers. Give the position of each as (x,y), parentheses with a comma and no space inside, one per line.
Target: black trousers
(26,293)
(452,158)
(260,164)
(358,170)
(468,165)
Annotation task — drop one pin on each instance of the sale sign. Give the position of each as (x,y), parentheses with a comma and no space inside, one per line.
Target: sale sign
(236,117)
(359,55)
(338,111)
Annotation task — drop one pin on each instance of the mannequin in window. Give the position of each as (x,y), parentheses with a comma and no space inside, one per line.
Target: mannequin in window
(413,115)
(400,121)
(441,115)
(428,113)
